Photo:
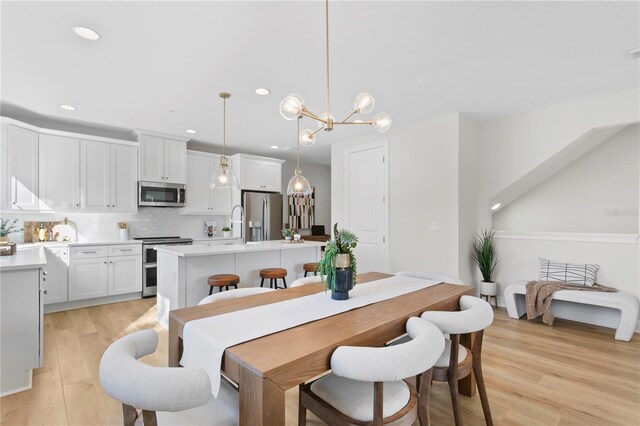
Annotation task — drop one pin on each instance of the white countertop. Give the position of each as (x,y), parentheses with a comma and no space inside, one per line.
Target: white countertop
(78,243)
(205,250)
(25,258)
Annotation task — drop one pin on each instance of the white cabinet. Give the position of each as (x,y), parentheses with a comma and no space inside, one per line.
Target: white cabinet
(259,173)
(99,271)
(200,198)
(55,282)
(88,278)
(59,170)
(162,159)
(107,177)
(125,275)
(124,178)
(22,168)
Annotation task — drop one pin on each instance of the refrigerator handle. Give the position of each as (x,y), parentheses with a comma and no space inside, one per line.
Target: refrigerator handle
(267,223)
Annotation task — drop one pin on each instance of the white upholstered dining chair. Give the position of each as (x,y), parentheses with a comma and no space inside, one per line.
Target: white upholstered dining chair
(366,385)
(434,276)
(234,294)
(458,361)
(179,396)
(307,280)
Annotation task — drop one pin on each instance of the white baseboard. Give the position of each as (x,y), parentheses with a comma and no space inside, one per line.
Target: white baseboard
(85,303)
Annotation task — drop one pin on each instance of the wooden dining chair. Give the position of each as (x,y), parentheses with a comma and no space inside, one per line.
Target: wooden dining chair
(234,294)
(366,386)
(458,361)
(179,396)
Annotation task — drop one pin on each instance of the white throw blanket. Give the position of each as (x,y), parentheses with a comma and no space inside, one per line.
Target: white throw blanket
(206,339)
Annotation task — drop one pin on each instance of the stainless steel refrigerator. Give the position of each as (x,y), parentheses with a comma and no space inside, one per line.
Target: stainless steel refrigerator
(263,216)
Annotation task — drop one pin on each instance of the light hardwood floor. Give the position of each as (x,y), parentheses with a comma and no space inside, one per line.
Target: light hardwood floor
(568,374)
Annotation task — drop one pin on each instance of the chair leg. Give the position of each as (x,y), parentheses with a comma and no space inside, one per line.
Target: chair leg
(302,411)
(423,384)
(378,401)
(261,282)
(305,274)
(284,281)
(210,290)
(455,401)
(129,415)
(452,378)
(149,418)
(220,289)
(482,390)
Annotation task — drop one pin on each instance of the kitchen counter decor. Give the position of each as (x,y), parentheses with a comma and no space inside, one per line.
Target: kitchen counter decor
(7,248)
(338,263)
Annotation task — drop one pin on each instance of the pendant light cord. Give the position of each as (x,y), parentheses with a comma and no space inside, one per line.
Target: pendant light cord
(224,126)
(298,142)
(327,38)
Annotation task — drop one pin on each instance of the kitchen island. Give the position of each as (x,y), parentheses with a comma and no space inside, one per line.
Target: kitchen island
(183,270)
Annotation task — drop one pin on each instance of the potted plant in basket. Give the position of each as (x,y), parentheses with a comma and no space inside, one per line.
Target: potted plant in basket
(338,263)
(485,257)
(8,227)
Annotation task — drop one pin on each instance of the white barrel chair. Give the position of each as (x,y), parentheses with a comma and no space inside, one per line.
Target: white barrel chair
(234,294)
(366,385)
(180,396)
(434,276)
(458,361)
(307,280)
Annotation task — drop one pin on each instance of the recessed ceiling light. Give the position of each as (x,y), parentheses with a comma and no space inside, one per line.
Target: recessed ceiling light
(191,131)
(634,53)
(496,206)
(68,107)
(86,33)
(274,147)
(262,91)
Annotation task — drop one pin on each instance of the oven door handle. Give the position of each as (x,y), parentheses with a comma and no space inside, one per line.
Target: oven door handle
(149,265)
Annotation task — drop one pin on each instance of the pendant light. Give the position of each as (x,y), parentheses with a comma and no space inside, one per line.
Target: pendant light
(223,176)
(293,106)
(298,184)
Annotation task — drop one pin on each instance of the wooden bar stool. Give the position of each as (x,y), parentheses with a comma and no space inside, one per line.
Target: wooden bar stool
(310,267)
(222,280)
(273,274)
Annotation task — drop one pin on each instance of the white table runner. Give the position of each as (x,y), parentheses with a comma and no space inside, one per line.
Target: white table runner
(206,339)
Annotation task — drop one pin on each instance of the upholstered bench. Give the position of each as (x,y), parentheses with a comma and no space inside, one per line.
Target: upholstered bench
(615,310)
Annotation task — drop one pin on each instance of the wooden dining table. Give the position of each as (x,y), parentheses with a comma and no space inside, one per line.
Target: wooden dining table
(266,367)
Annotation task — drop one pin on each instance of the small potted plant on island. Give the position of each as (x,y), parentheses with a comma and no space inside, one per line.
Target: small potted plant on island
(485,257)
(338,263)
(226,232)
(287,233)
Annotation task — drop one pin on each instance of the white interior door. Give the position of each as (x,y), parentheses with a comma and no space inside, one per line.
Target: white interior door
(366,186)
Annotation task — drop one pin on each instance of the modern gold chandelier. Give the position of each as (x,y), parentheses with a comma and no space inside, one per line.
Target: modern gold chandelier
(292,107)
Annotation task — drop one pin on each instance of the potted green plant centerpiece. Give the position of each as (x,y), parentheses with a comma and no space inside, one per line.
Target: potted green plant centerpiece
(226,232)
(485,257)
(338,263)
(287,233)
(7,227)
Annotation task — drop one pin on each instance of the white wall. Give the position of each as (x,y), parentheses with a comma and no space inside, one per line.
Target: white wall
(319,177)
(423,163)
(148,222)
(597,193)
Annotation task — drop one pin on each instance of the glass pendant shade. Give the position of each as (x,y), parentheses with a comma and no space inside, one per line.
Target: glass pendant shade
(381,122)
(364,103)
(291,106)
(324,116)
(298,184)
(223,177)
(307,137)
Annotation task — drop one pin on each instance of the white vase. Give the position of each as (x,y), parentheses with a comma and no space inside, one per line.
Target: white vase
(124,234)
(226,234)
(488,288)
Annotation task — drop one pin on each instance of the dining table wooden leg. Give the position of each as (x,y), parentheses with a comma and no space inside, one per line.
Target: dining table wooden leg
(175,344)
(467,385)
(261,400)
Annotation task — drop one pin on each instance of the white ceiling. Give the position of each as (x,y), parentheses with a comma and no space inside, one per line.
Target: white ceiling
(419,59)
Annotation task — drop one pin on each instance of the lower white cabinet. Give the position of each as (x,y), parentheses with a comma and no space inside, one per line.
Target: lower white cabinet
(95,273)
(125,275)
(88,278)
(55,282)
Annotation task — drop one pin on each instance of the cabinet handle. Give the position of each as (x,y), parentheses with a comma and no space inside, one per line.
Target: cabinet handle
(44,279)
(106,263)
(77,204)
(89,252)
(111,262)
(45,273)
(126,249)
(44,291)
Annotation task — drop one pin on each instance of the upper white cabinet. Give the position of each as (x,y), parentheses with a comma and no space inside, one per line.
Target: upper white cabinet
(59,166)
(22,168)
(107,176)
(163,158)
(259,173)
(200,198)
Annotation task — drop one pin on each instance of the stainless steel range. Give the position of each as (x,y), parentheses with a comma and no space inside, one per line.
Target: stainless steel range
(149,260)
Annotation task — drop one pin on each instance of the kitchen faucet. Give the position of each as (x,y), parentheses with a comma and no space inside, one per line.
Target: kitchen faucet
(241,221)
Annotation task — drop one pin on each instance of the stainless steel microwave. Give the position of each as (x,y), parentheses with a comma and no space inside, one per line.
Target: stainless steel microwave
(154,194)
